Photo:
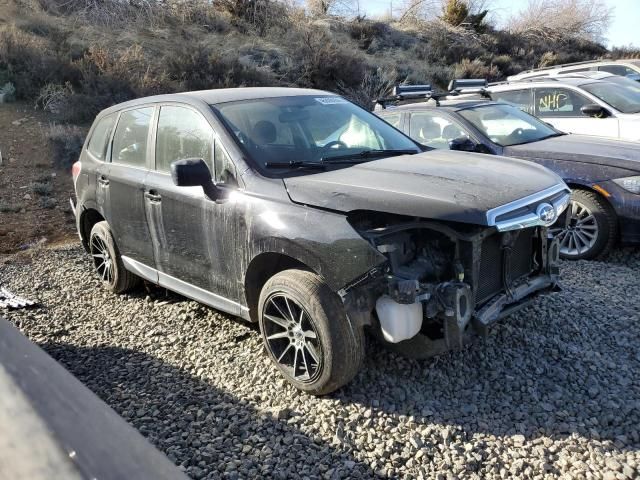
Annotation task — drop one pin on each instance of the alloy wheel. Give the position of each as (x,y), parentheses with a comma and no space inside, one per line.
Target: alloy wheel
(577,230)
(291,338)
(102,259)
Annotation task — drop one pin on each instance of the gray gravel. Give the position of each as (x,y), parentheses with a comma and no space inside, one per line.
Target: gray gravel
(554,391)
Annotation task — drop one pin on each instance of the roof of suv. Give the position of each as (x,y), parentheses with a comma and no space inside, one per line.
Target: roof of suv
(555,80)
(219,95)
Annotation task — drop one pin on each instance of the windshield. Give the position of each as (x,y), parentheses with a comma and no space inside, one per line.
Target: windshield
(507,125)
(309,129)
(623,96)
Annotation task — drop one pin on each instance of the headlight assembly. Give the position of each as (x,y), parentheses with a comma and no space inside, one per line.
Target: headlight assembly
(630,184)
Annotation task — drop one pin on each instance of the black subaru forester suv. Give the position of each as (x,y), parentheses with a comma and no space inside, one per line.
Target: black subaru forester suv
(299,210)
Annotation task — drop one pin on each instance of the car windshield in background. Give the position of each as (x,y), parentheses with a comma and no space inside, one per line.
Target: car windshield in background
(300,131)
(623,97)
(506,125)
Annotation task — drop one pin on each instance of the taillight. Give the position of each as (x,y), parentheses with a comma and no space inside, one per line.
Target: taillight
(75,171)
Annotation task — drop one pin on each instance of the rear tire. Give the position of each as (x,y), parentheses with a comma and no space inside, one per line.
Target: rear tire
(588,229)
(107,260)
(307,333)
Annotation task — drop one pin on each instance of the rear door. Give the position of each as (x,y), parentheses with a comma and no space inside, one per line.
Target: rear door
(561,108)
(96,166)
(124,181)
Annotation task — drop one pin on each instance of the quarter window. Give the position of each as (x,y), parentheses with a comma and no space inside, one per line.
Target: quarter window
(393,119)
(559,102)
(434,130)
(518,98)
(101,134)
(182,133)
(225,171)
(130,139)
(618,70)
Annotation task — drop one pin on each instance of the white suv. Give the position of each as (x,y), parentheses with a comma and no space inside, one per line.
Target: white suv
(625,67)
(579,103)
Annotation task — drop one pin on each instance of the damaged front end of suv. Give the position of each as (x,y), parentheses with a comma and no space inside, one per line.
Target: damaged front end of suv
(444,281)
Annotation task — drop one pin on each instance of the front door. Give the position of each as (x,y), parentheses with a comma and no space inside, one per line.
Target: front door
(124,179)
(190,232)
(561,108)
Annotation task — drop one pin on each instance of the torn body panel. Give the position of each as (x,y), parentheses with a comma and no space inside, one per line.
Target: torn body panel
(462,277)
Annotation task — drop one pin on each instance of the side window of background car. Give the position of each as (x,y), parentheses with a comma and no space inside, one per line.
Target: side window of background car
(393,119)
(558,102)
(617,70)
(224,170)
(434,130)
(518,98)
(130,139)
(100,136)
(182,133)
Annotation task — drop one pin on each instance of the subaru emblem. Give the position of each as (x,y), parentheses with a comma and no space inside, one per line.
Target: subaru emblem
(546,213)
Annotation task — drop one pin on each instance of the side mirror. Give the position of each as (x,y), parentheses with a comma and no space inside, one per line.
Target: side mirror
(462,144)
(594,110)
(193,172)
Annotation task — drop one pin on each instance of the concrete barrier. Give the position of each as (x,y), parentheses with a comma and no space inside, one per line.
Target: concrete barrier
(52,426)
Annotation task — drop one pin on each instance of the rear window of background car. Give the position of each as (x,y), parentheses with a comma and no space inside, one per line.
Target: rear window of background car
(130,139)
(101,133)
(182,133)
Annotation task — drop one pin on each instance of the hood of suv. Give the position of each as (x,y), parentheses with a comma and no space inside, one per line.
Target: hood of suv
(581,148)
(442,185)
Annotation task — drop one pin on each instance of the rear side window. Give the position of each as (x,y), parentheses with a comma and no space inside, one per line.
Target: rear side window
(101,133)
(182,133)
(617,70)
(559,102)
(518,98)
(130,139)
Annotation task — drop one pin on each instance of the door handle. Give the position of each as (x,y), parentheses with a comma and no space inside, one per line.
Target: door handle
(102,180)
(152,196)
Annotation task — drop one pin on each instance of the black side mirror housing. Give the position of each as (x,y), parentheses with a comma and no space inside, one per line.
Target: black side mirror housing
(462,144)
(595,110)
(193,172)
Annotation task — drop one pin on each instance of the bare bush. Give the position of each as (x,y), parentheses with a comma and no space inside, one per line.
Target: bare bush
(66,142)
(557,19)
(375,84)
(53,97)
(476,69)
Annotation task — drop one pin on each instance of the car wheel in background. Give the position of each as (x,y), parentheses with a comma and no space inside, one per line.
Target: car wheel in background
(587,229)
(307,334)
(107,261)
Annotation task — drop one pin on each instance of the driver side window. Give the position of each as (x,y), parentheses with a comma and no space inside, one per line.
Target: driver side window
(434,130)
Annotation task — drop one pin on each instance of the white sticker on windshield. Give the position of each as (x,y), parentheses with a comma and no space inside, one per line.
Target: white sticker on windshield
(330,100)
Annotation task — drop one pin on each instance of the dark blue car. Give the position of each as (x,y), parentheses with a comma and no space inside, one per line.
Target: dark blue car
(603,173)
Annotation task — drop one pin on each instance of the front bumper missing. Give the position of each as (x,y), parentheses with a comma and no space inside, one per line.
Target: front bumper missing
(505,304)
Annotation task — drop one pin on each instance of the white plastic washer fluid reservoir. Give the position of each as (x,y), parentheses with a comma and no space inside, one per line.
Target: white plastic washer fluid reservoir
(398,321)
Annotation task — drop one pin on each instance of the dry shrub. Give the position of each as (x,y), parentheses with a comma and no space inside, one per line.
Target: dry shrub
(200,68)
(375,84)
(476,69)
(66,143)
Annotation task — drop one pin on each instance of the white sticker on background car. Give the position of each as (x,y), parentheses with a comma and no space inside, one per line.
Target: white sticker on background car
(330,100)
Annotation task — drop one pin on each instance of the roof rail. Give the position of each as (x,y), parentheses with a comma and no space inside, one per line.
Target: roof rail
(562,65)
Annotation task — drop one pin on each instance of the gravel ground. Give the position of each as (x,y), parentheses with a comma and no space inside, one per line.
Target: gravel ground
(554,391)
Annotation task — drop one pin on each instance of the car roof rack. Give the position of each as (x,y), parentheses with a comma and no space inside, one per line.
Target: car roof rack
(406,92)
(562,65)
(456,88)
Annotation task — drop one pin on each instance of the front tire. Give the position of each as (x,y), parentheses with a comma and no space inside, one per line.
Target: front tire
(107,261)
(307,334)
(588,228)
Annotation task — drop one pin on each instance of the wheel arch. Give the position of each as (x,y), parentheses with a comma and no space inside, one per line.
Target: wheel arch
(261,268)
(88,218)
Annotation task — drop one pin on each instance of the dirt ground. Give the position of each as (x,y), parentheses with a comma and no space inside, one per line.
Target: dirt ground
(30,216)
